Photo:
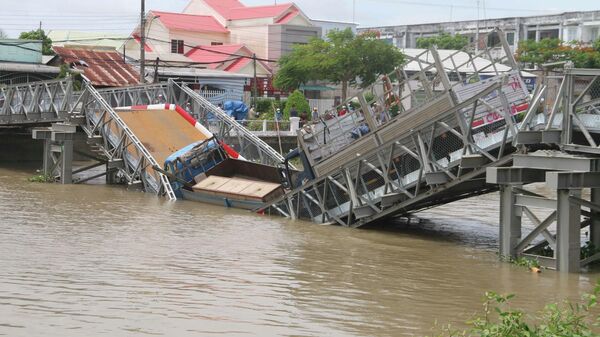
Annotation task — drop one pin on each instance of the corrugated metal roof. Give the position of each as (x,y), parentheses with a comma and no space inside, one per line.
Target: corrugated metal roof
(104,67)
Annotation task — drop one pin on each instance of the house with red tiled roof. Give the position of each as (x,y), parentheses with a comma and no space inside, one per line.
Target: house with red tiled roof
(235,58)
(270,31)
(222,35)
(169,35)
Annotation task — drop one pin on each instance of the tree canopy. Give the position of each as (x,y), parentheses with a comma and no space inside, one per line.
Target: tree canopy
(443,41)
(39,34)
(3,35)
(297,100)
(554,50)
(344,58)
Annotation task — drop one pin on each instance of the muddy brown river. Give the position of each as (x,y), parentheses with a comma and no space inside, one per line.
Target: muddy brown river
(94,260)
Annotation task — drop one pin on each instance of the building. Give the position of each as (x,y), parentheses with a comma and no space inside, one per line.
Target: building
(62,38)
(102,66)
(269,31)
(327,26)
(222,35)
(580,26)
(21,62)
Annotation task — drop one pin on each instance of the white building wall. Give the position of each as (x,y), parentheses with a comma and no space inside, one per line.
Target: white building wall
(255,38)
(196,38)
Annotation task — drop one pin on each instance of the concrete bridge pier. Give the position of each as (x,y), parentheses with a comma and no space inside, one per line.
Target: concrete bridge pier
(567,175)
(510,221)
(58,150)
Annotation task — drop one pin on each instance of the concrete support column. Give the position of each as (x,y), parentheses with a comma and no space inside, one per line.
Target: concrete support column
(568,236)
(510,222)
(47,157)
(595,225)
(111,175)
(66,174)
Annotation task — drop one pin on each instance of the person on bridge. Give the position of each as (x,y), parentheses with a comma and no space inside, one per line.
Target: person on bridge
(293,111)
(315,114)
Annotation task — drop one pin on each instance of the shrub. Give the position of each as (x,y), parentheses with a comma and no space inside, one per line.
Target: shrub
(296,99)
(566,320)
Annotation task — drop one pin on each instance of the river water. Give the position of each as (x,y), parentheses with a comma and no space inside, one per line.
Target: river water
(95,260)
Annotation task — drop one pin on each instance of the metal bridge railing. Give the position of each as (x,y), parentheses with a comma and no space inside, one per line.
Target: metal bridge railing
(565,111)
(245,142)
(428,141)
(36,102)
(119,144)
(405,91)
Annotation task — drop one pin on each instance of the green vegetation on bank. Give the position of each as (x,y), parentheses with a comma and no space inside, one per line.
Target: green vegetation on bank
(499,319)
(40,178)
(345,58)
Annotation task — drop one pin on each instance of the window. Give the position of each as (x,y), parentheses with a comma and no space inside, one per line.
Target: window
(549,34)
(594,34)
(570,34)
(177,46)
(531,35)
(493,40)
(216,43)
(510,38)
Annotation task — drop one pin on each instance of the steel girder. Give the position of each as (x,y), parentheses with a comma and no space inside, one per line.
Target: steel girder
(248,145)
(434,151)
(118,143)
(36,102)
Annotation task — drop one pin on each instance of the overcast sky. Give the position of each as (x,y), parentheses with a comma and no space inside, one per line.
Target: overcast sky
(120,16)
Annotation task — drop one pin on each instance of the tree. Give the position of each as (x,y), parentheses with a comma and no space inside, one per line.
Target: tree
(39,35)
(296,99)
(554,50)
(3,35)
(443,41)
(344,58)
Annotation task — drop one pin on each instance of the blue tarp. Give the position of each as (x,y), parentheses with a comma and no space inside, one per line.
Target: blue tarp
(236,109)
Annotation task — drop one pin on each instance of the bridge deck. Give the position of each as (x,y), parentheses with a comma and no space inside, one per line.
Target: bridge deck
(162,132)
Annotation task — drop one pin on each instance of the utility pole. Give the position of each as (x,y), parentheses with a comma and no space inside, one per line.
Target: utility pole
(254,84)
(477,33)
(40,26)
(142,41)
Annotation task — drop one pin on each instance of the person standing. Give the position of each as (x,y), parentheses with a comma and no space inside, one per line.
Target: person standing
(315,114)
(278,115)
(293,111)
(252,112)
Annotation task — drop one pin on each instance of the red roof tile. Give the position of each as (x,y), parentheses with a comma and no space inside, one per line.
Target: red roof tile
(188,22)
(214,54)
(238,64)
(224,6)
(104,67)
(235,10)
(137,37)
(256,12)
